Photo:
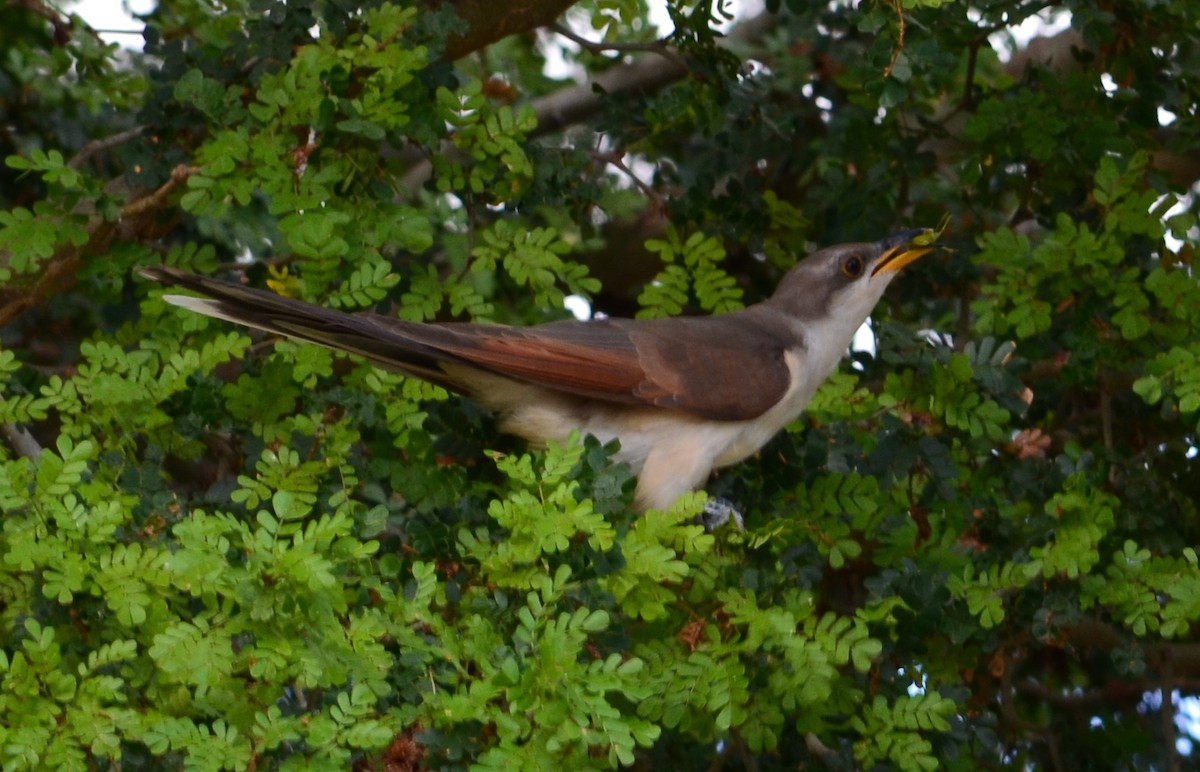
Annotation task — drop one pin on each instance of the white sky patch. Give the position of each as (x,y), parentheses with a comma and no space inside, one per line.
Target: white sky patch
(1181,206)
(579,307)
(864,338)
(114,20)
(1187,717)
(738,11)
(555,46)
(660,18)
(638,167)
(1045,23)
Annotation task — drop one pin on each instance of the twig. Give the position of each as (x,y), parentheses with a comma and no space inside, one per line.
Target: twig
(962,332)
(657,47)
(1121,693)
(969,79)
(1052,746)
(617,160)
(60,271)
(887,72)
(816,747)
(1008,712)
(1106,423)
(1167,712)
(96,145)
(21,441)
(62,27)
(718,764)
(152,201)
(578,102)
(243,267)
(743,750)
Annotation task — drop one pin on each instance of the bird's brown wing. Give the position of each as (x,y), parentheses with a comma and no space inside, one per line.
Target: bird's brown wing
(726,368)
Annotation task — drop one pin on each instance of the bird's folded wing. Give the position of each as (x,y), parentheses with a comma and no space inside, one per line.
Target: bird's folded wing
(725,368)
(721,368)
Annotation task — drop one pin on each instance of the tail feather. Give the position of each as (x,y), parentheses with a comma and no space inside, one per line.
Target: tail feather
(389,343)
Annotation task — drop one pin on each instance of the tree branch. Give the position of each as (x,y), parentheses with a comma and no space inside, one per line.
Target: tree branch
(22,442)
(155,200)
(1056,53)
(61,268)
(575,103)
(578,102)
(658,47)
(489,21)
(63,27)
(97,145)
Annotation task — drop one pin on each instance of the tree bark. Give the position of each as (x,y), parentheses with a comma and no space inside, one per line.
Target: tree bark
(489,21)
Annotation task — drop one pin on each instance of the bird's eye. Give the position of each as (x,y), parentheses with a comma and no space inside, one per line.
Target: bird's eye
(852,267)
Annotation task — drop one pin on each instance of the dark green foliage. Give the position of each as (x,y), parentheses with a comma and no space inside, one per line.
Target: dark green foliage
(977,549)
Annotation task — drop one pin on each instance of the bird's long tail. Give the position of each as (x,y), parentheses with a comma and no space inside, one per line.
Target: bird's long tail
(390,343)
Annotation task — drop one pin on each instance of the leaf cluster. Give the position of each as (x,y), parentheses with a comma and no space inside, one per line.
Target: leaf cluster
(222,550)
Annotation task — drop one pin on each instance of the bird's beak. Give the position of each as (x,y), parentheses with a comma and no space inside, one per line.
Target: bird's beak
(904,248)
(898,257)
(907,247)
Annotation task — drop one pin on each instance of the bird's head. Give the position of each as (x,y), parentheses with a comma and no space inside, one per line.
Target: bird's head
(847,280)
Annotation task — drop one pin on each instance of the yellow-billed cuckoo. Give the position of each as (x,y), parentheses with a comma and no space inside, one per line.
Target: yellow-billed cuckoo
(683,395)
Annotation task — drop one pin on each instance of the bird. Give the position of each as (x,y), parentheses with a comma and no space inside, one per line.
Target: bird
(682,395)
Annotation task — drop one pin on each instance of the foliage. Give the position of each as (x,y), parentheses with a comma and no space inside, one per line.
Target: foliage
(976,549)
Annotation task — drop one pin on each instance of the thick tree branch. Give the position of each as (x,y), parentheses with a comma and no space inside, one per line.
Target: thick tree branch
(489,21)
(1055,54)
(576,103)
(21,441)
(1184,657)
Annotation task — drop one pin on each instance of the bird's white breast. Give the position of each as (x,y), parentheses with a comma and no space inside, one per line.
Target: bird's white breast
(671,451)
(642,430)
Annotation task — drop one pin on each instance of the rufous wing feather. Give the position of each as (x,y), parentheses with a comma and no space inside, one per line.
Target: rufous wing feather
(724,368)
